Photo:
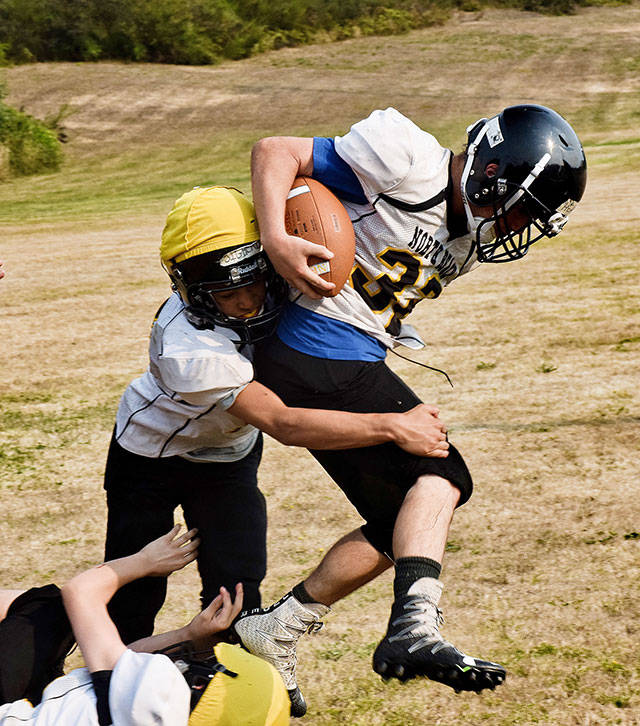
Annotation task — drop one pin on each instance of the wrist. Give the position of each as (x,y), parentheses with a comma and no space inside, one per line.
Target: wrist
(182,634)
(139,565)
(390,427)
(195,635)
(271,235)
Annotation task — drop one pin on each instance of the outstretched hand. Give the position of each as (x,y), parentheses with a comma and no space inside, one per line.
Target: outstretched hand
(217,616)
(420,431)
(170,552)
(290,256)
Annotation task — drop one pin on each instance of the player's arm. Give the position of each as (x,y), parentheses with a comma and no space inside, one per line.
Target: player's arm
(418,431)
(6,598)
(201,631)
(275,162)
(86,596)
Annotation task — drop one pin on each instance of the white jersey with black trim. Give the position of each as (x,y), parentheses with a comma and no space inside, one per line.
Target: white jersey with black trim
(179,405)
(403,250)
(145,689)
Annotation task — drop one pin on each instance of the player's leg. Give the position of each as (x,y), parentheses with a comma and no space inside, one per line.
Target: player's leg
(422,525)
(273,633)
(140,504)
(376,480)
(413,645)
(350,563)
(223,501)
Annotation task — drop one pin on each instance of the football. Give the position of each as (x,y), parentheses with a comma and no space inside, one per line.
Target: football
(314,213)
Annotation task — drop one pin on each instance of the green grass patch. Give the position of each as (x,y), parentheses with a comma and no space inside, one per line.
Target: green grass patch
(125,185)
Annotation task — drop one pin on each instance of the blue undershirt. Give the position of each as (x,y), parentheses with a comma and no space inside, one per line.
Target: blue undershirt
(334,172)
(312,333)
(324,337)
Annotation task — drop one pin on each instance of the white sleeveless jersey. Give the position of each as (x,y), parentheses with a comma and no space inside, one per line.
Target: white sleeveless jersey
(403,251)
(179,406)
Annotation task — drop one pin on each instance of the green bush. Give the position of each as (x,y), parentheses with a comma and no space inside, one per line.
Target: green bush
(33,148)
(205,31)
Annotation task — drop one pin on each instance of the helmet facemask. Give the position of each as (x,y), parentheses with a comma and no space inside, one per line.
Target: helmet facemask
(199,278)
(502,237)
(197,667)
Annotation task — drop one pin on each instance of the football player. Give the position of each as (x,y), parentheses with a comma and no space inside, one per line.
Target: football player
(172,679)
(188,430)
(423,216)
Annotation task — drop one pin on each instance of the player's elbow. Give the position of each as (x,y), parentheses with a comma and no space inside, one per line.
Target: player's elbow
(284,429)
(86,586)
(73,591)
(265,148)
(274,153)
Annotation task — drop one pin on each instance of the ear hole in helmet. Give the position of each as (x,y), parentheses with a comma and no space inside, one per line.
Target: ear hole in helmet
(491,169)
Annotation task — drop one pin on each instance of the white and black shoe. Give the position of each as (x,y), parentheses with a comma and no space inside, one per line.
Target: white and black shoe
(272,634)
(414,647)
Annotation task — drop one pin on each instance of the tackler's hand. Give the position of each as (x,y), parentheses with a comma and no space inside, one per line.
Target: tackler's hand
(420,431)
(217,616)
(170,552)
(290,257)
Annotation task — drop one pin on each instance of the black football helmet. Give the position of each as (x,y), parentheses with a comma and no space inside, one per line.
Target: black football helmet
(198,278)
(528,165)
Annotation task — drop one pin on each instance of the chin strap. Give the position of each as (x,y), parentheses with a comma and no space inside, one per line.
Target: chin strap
(424,365)
(198,320)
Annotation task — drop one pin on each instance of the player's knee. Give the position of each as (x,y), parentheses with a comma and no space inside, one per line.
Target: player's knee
(435,489)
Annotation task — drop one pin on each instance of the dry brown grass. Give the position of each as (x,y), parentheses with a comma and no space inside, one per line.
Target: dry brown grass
(542,572)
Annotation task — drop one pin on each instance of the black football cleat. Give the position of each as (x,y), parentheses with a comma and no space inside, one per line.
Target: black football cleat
(413,646)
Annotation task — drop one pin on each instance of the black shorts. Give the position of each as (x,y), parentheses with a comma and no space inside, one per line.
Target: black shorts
(376,478)
(35,636)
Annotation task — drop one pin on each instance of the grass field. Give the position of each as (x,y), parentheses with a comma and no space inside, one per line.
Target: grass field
(542,571)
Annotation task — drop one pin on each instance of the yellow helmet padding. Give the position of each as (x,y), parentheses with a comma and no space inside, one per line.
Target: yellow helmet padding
(257,697)
(207,219)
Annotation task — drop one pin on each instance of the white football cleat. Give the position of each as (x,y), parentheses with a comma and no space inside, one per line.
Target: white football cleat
(272,634)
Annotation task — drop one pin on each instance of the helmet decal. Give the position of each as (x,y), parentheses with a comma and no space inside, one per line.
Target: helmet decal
(239,254)
(493,132)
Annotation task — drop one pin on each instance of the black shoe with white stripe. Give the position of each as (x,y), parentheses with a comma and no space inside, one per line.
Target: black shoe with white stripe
(414,647)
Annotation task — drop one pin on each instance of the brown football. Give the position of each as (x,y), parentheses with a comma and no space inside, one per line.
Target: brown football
(314,213)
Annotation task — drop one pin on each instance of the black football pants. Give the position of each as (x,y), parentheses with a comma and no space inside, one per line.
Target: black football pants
(374,478)
(221,499)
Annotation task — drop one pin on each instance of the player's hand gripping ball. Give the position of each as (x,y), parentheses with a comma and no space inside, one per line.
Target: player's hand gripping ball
(314,213)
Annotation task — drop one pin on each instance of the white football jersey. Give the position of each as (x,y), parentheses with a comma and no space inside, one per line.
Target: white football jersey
(403,251)
(145,690)
(179,405)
